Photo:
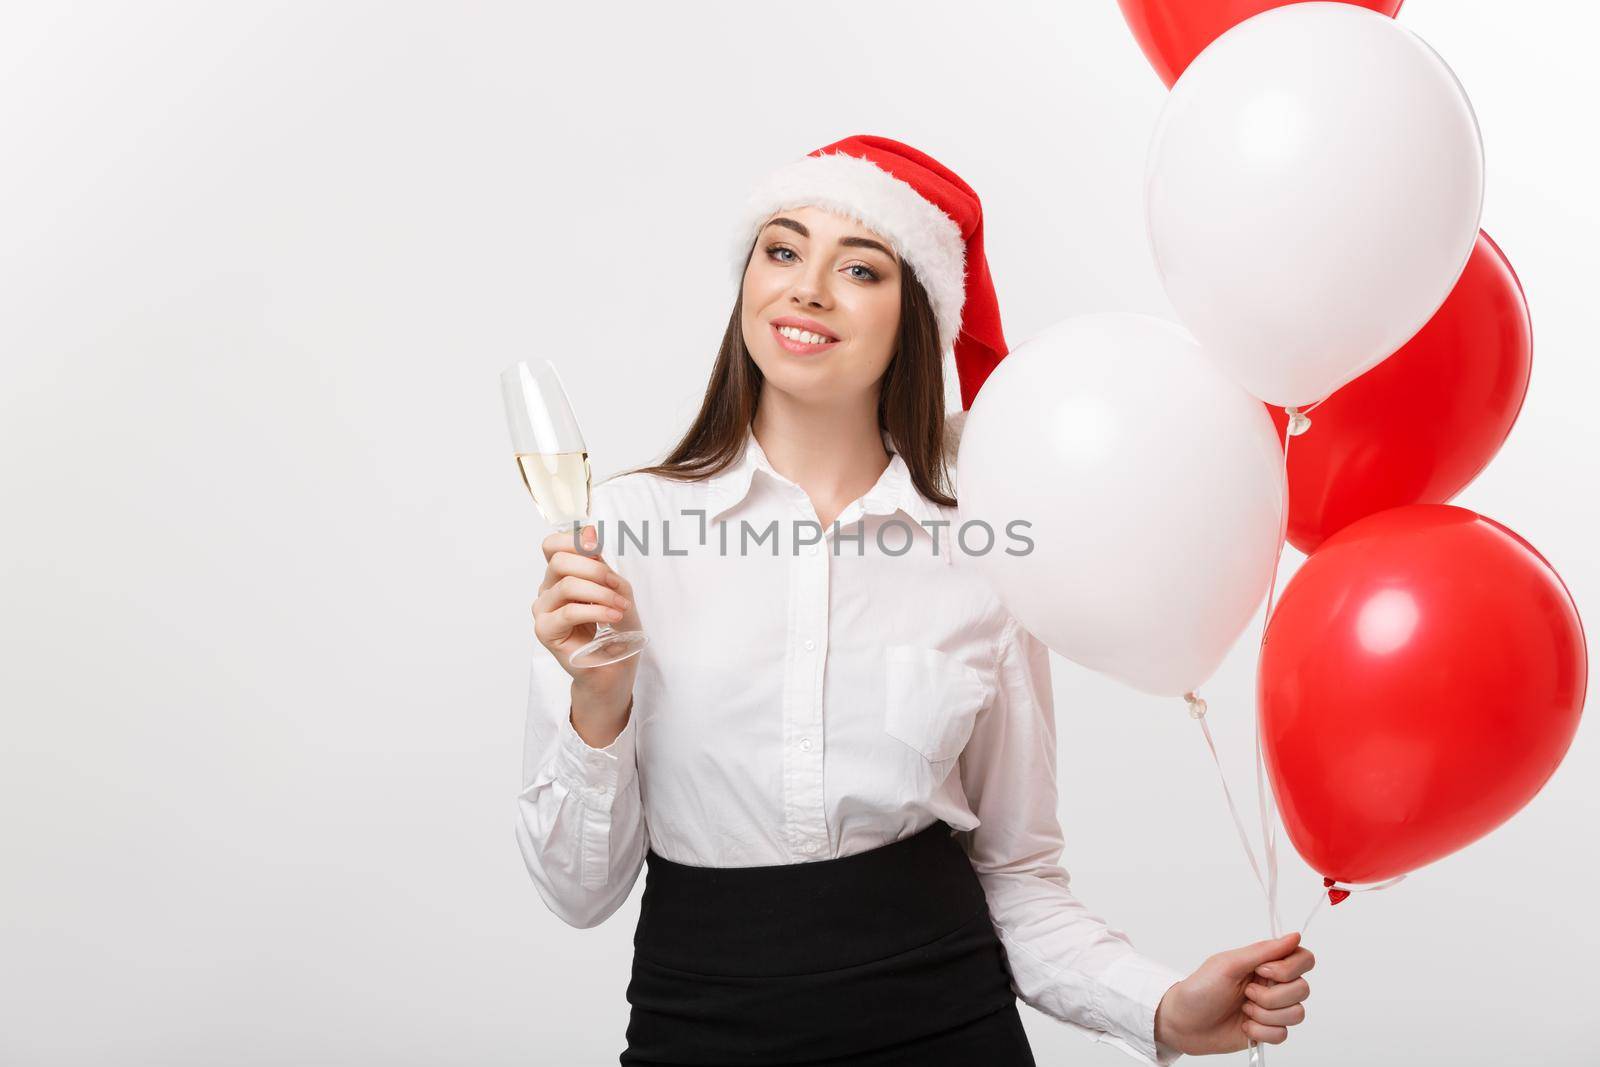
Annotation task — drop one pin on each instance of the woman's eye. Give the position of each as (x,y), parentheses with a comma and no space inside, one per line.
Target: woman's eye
(776,251)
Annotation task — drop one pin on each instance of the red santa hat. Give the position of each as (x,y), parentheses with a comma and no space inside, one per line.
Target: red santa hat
(931,217)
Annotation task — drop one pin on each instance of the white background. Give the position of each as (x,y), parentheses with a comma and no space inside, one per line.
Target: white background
(267,564)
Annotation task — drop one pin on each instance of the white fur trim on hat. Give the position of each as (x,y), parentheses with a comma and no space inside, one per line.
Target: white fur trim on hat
(921,233)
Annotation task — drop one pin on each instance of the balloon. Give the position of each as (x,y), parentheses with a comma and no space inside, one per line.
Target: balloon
(1154,491)
(1421,679)
(1418,427)
(1312,194)
(1173,32)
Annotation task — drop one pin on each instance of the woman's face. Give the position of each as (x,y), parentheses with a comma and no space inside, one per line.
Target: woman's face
(820,274)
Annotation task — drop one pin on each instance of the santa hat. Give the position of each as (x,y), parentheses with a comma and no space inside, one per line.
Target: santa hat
(931,217)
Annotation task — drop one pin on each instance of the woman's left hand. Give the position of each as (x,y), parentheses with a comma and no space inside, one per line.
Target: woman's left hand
(1231,999)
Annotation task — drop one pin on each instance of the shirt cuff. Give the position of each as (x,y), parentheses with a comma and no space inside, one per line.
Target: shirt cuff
(596,774)
(1127,997)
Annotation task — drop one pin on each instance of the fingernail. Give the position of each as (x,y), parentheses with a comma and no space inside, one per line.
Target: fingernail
(613,581)
(614,613)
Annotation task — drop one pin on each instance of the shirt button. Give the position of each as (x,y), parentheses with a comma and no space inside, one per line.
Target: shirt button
(812,550)
(805,744)
(810,645)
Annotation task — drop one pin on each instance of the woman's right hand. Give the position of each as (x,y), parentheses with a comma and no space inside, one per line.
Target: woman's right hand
(578,591)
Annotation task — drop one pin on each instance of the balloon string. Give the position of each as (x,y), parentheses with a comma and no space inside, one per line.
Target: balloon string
(1337,891)
(1265,801)
(1298,424)
(1197,710)
(1233,809)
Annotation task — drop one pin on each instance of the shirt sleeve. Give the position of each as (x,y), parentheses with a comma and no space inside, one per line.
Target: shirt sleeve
(580,824)
(1065,961)
(580,820)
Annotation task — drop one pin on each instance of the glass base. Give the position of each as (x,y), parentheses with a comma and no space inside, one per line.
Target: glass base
(610,648)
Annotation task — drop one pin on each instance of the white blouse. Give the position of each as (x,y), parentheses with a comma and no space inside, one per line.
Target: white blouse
(823,693)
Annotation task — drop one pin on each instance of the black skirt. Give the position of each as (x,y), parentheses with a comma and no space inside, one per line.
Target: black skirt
(883,958)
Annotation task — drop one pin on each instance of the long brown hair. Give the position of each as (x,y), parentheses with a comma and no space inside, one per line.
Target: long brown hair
(910,402)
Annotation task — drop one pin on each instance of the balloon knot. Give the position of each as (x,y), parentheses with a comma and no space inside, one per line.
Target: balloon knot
(1334,895)
(1197,707)
(1298,422)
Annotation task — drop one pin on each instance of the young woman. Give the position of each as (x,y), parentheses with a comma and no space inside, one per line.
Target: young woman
(836,757)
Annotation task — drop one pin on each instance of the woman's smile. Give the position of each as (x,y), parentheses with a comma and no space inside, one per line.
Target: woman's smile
(801,336)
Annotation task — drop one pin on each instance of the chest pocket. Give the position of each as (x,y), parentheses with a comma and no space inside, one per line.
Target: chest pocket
(931,700)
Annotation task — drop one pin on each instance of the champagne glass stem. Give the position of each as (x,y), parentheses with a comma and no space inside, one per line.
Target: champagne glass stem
(573,528)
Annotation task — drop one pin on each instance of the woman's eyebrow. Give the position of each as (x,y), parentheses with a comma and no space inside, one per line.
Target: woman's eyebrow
(848,242)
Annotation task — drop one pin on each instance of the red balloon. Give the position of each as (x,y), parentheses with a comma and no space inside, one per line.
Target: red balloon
(1421,679)
(1418,427)
(1173,32)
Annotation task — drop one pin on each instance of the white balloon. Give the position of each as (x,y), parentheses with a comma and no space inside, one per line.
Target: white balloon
(1313,191)
(1154,489)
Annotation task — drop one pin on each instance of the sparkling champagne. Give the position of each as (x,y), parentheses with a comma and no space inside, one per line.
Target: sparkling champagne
(559,482)
(554,463)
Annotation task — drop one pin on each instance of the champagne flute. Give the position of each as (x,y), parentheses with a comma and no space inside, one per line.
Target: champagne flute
(555,467)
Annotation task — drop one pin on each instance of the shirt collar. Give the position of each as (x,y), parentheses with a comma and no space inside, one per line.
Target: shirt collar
(894,490)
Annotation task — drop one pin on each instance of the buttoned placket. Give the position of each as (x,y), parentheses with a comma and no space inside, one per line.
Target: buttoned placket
(803,747)
(810,573)
(805,817)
